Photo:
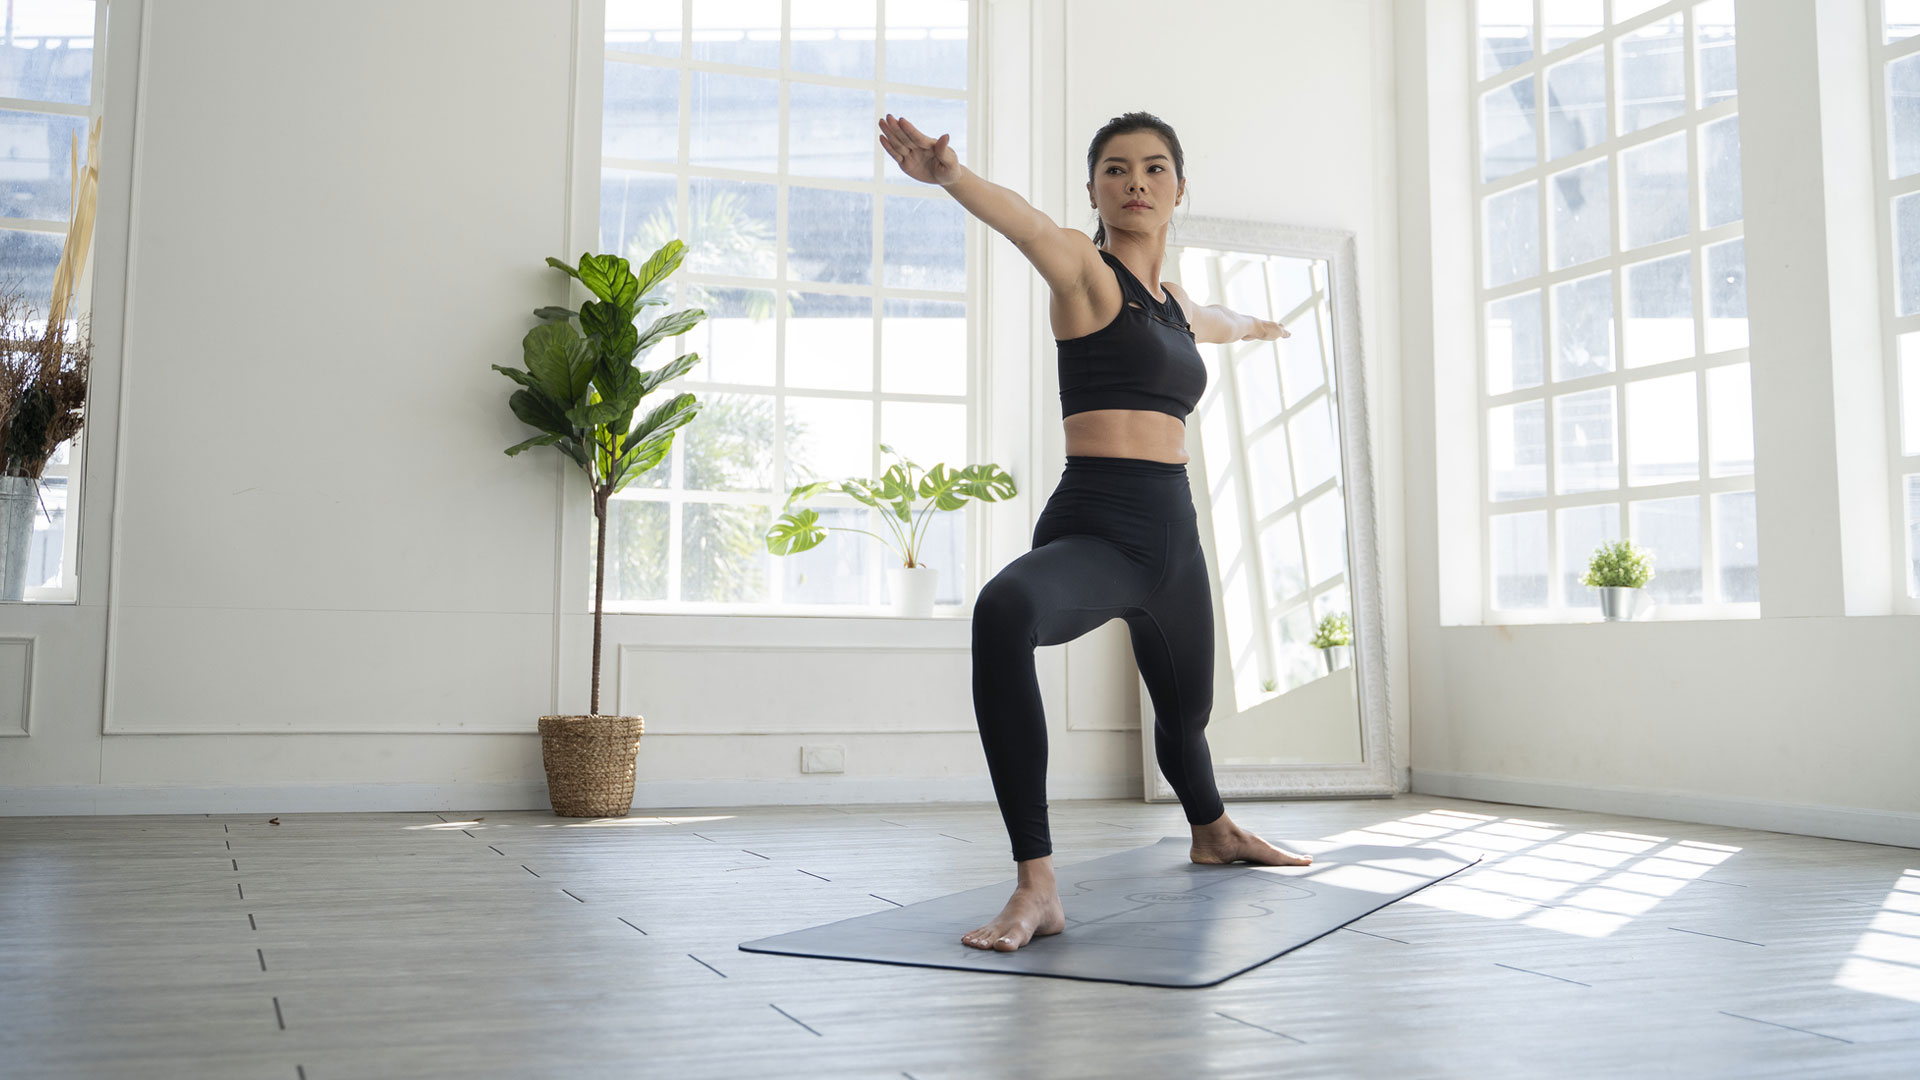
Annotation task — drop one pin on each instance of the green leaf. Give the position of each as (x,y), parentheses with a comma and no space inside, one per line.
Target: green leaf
(558,265)
(517,375)
(608,278)
(560,360)
(536,409)
(537,440)
(806,491)
(794,533)
(660,264)
(669,325)
(554,313)
(667,372)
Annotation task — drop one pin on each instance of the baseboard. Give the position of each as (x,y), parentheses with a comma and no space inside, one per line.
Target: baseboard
(93,799)
(1893,827)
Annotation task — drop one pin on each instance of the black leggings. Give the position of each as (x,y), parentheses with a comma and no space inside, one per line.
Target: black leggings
(1118,538)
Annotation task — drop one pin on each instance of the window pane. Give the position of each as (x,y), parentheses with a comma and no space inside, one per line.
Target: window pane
(1316,453)
(1727,296)
(1903,114)
(1325,522)
(828,439)
(1655,190)
(1296,661)
(923,347)
(1901,18)
(1582,530)
(1624,10)
(1514,357)
(1736,543)
(723,552)
(927,42)
(1517,450)
(1713,30)
(1513,234)
(833,37)
(51,53)
(1226,531)
(1913,536)
(1670,530)
(736,119)
(927,433)
(1289,284)
(737,32)
(1730,420)
(835,572)
(1720,160)
(1268,472)
(730,227)
(1583,327)
(1584,441)
(1582,222)
(636,213)
(1659,310)
(1520,560)
(1663,430)
(735,340)
(1259,384)
(1507,142)
(828,131)
(636,549)
(1653,73)
(729,446)
(1286,567)
(1506,34)
(1576,103)
(640,113)
(829,235)
(1568,21)
(1906,252)
(829,341)
(644,26)
(1910,393)
(1302,357)
(926,242)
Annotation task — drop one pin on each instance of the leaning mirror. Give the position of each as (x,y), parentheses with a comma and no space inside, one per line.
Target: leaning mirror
(1283,483)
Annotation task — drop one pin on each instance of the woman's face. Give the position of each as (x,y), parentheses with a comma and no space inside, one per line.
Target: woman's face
(1135,168)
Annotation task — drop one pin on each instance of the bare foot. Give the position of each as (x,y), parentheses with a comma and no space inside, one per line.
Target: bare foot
(1034,911)
(1223,842)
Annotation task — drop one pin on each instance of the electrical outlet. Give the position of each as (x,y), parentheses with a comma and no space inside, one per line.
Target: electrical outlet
(823,759)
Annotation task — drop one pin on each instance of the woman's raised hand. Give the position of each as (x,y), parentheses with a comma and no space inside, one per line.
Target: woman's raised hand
(1266,330)
(930,161)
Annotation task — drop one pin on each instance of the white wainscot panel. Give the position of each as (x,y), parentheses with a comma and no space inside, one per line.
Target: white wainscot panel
(16,684)
(769,689)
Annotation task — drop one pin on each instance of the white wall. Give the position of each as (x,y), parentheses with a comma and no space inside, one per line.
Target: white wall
(1807,719)
(308,577)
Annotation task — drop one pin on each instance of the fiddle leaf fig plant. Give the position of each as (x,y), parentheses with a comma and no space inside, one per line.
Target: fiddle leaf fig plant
(1333,630)
(581,387)
(1618,565)
(895,495)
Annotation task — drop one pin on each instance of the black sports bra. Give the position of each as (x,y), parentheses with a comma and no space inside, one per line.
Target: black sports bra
(1144,359)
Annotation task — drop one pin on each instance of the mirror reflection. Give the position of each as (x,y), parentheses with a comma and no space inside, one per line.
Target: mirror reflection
(1270,453)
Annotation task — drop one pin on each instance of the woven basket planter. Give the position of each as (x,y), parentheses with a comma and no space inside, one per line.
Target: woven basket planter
(590,762)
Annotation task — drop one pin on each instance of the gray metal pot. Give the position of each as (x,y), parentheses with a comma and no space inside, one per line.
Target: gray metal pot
(1617,602)
(19,502)
(1338,656)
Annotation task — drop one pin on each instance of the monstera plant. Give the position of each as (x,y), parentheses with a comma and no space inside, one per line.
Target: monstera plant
(581,390)
(894,495)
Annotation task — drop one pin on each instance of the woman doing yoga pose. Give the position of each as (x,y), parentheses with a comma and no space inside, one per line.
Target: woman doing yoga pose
(1118,537)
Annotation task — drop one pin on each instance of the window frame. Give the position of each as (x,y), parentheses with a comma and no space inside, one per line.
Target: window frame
(1901,464)
(971,524)
(1612,148)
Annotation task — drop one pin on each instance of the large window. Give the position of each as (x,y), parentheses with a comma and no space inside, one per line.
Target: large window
(1896,47)
(836,288)
(1612,297)
(47,76)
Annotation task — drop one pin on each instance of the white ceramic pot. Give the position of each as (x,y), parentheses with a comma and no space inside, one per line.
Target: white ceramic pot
(912,589)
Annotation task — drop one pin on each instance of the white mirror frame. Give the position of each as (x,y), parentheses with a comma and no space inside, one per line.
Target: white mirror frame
(1373,775)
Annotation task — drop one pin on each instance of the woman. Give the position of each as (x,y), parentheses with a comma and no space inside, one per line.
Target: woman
(1118,537)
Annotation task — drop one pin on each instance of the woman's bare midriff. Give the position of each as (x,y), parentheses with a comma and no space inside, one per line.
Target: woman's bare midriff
(1131,433)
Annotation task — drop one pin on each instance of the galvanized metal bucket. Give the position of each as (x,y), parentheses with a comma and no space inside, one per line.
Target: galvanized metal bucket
(1618,603)
(19,502)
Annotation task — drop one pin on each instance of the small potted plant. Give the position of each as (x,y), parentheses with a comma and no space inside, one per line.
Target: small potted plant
(581,388)
(894,495)
(1618,570)
(1334,639)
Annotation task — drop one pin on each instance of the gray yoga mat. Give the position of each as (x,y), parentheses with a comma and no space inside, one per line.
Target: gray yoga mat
(1149,916)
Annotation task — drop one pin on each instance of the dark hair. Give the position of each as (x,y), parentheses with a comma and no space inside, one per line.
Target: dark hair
(1121,125)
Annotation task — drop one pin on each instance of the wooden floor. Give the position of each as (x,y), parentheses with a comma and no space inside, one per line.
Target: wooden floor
(517,944)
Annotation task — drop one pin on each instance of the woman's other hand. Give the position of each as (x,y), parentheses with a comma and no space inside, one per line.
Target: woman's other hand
(930,161)
(1264,330)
